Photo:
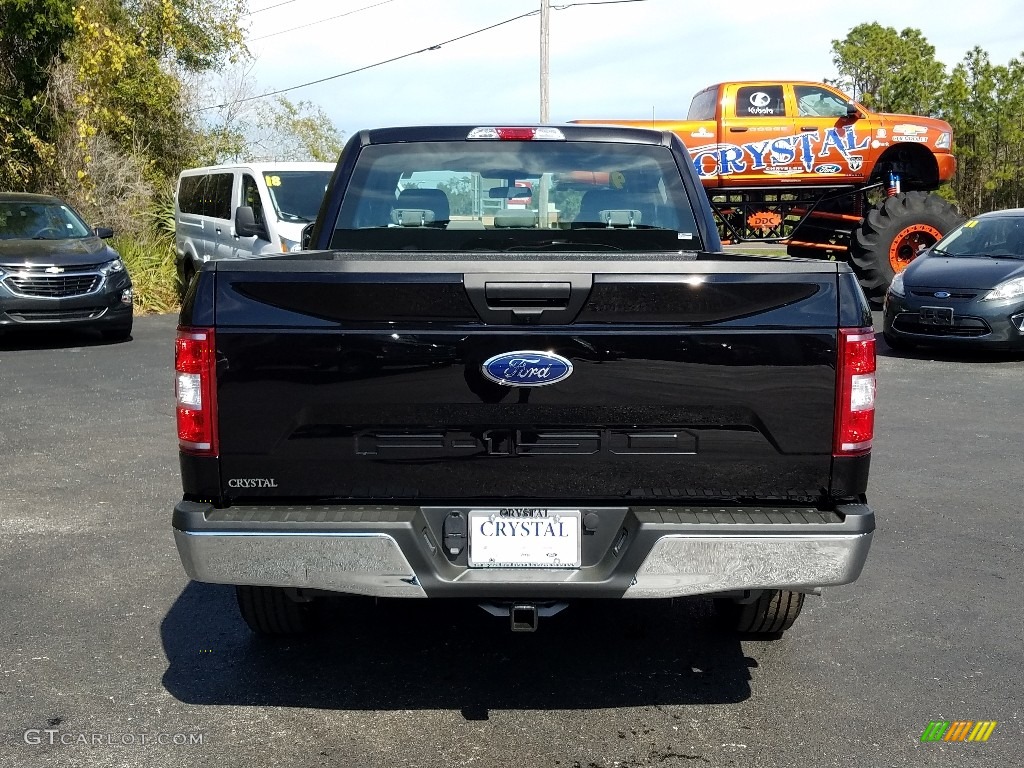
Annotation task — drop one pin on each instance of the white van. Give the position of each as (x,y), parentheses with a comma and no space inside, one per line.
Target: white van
(244,211)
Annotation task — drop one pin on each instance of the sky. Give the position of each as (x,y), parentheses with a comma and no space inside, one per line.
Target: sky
(626,59)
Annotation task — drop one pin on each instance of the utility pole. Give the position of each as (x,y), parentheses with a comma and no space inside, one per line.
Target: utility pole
(545,19)
(543,216)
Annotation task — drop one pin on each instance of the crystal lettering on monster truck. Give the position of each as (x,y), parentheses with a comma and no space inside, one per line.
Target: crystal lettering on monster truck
(727,159)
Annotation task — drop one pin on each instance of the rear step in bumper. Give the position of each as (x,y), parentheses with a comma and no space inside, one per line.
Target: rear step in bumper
(696,565)
(387,552)
(353,563)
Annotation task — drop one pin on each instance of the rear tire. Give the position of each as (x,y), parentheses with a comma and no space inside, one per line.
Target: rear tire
(767,617)
(270,611)
(892,234)
(187,273)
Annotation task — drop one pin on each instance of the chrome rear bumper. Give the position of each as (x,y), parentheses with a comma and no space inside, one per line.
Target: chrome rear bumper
(394,552)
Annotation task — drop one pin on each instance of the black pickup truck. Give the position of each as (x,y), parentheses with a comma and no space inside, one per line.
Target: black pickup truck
(517,368)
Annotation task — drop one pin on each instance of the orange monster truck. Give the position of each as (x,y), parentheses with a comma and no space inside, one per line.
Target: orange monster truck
(802,164)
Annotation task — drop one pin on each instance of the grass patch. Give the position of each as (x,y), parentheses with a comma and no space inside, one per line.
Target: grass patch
(150,262)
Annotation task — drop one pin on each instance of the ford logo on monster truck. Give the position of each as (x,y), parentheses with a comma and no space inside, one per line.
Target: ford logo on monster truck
(527,368)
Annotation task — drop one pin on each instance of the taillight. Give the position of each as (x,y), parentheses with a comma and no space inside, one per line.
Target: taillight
(518,133)
(855,392)
(195,390)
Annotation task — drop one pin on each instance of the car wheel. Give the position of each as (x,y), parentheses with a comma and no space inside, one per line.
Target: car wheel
(892,235)
(187,273)
(123,333)
(767,617)
(899,345)
(272,611)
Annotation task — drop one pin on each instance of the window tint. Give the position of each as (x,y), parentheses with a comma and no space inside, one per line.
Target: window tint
(813,101)
(27,219)
(190,194)
(760,101)
(451,196)
(251,197)
(297,195)
(208,195)
(218,203)
(703,105)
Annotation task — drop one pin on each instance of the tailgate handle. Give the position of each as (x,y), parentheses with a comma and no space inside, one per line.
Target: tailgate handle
(520,297)
(506,297)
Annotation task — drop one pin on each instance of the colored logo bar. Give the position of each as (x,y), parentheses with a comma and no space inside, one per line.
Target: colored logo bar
(959,730)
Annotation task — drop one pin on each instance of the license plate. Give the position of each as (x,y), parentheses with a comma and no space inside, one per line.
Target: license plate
(937,316)
(519,537)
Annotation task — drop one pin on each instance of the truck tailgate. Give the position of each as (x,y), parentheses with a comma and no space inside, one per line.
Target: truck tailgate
(363,379)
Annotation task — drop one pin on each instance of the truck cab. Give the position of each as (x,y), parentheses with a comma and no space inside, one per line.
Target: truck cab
(780,133)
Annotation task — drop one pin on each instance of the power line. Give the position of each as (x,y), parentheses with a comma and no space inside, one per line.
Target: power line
(261,10)
(411,53)
(320,21)
(376,64)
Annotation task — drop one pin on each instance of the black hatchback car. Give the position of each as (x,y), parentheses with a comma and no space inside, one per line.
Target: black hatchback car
(56,269)
(967,290)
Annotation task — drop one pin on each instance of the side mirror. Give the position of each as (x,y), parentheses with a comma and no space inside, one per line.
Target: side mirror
(306,237)
(246,226)
(104,233)
(852,111)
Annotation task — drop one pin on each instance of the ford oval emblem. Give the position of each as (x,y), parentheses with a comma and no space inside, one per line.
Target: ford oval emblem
(942,294)
(527,368)
(828,168)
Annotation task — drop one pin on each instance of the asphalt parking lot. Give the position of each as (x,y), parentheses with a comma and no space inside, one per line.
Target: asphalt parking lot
(105,644)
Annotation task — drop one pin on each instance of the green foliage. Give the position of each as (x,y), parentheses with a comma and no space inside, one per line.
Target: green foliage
(297,131)
(567,203)
(461,196)
(150,262)
(32,36)
(984,103)
(889,71)
(196,35)
(985,106)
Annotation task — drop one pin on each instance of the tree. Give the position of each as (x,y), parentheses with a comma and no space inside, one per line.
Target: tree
(239,124)
(124,129)
(461,195)
(34,33)
(889,71)
(296,131)
(984,103)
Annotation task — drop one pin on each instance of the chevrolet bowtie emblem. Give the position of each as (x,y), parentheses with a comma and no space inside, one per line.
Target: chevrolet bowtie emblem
(54,270)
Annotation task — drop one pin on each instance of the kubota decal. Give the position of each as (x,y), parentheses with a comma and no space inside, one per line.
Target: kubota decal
(803,148)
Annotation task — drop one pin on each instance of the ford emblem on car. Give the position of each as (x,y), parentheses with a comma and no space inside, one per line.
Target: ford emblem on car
(527,368)
(942,294)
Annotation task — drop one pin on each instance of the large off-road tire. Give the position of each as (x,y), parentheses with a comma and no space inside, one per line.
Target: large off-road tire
(892,235)
(767,617)
(271,611)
